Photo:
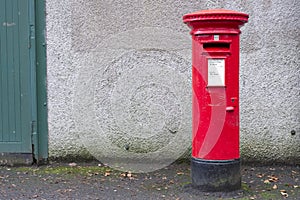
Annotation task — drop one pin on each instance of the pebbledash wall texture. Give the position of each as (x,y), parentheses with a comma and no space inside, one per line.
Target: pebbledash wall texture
(119,78)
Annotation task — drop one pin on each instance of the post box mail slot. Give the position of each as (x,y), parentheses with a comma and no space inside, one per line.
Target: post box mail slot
(213,46)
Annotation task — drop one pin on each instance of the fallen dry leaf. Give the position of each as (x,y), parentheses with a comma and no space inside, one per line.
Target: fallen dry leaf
(260,175)
(275,187)
(180,173)
(266,181)
(284,193)
(127,175)
(273,178)
(107,174)
(72,164)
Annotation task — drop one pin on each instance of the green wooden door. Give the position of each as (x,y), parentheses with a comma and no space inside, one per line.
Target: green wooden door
(17,76)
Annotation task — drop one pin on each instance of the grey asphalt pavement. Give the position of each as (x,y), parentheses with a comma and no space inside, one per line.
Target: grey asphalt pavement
(90,181)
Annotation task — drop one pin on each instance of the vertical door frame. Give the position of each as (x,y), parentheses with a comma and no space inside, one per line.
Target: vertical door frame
(40,126)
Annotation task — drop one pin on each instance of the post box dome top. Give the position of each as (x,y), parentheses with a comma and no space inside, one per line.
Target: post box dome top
(216,15)
(218,21)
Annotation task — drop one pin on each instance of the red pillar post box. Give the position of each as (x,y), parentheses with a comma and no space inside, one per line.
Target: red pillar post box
(215,147)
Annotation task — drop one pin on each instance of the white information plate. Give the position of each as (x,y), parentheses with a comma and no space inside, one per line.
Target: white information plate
(216,72)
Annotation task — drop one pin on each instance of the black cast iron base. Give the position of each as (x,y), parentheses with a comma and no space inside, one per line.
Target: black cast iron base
(215,175)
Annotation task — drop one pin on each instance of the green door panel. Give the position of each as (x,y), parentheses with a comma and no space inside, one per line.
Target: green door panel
(17,94)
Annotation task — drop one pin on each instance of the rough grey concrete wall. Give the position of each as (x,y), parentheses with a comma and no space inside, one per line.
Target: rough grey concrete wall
(270,81)
(119,73)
